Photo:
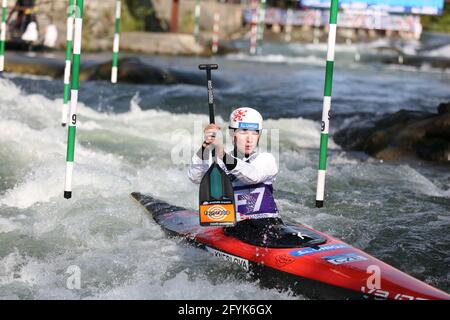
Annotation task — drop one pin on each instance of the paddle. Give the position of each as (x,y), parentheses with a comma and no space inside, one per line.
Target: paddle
(216,195)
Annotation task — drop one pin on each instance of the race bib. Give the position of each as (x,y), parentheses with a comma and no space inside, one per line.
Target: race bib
(255,200)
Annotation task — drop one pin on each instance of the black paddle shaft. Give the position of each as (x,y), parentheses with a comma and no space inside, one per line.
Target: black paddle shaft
(209,86)
(208,68)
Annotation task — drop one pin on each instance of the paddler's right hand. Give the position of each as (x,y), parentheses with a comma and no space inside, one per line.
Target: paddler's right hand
(210,131)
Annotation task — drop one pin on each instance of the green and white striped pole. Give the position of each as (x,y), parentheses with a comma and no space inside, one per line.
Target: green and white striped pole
(115,61)
(3,35)
(67,69)
(197,20)
(326,105)
(74,98)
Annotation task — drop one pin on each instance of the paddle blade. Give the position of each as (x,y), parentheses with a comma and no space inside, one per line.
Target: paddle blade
(216,199)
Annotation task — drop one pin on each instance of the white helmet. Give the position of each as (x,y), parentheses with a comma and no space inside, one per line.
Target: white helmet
(246,118)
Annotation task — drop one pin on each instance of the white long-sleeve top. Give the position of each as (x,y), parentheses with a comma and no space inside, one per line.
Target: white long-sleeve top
(257,168)
(252,180)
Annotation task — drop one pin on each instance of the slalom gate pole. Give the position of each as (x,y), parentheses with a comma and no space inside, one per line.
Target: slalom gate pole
(254,27)
(261,24)
(115,60)
(326,104)
(288,26)
(216,30)
(3,35)
(197,20)
(67,69)
(74,98)
(317,23)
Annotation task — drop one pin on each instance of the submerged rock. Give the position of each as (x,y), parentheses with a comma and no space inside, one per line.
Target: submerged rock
(419,61)
(28,65)
(133,70)
(404,133)
(444,108)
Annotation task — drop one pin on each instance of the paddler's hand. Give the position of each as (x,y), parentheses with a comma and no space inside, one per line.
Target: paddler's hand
(211,132)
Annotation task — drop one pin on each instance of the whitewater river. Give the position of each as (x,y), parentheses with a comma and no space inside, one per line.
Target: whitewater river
(140,138)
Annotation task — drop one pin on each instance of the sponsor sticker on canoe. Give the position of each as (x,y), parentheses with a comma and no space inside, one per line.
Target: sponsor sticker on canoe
(344,258)
(283,259)
(328,247)
(243,263)
(379,294)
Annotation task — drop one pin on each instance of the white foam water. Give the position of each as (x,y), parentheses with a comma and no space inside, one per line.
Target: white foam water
(115,246)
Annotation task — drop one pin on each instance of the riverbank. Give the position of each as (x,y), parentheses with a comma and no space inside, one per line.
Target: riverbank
(150,20)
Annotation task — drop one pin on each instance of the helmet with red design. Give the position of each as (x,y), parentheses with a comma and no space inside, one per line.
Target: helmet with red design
(246,118)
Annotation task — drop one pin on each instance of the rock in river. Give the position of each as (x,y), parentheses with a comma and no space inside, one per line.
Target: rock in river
(404,133)
(133,70)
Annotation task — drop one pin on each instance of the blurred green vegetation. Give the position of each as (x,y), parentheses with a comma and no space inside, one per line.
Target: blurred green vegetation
(187,22)
(129,22)
(139,15)
(438,23)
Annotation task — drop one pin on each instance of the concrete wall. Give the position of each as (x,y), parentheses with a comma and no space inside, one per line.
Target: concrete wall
(160,43)
(231,15)
(98,22)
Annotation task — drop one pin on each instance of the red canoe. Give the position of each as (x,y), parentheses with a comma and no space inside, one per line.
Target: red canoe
(323,268)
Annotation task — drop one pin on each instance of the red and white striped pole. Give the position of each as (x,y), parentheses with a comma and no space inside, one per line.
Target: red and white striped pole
(317,24)
(197,20)
(288,26)
(254,27)
(216,30)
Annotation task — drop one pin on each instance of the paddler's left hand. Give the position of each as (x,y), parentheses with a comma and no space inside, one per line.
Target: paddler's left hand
(211,131)
(212,139)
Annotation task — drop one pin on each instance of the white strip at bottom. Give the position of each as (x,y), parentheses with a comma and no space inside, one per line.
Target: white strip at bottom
(320,185)
(69,171)
(67,70)
(114,71)
(65,112)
